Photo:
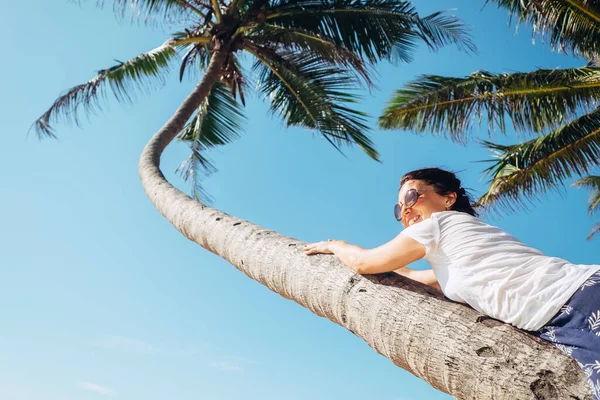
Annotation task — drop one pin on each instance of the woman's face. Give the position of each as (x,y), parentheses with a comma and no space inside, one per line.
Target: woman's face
(427,203)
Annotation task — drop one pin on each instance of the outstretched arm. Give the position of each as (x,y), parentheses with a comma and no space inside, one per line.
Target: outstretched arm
(391,256)
(427,276)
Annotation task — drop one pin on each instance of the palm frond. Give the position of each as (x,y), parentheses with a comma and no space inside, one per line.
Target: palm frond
(374,29)
(314,95)
(149,10)
(219,121)
(594,231)
(534,101)
(272,36)
(234,78)
(440,29)
(195,59)
(570,26)
(141,72)
(194,169)
(592,183)
(521,172)
(196,44)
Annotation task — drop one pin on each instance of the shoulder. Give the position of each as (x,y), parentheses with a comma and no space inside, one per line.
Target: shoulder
(455,217)
(455,223)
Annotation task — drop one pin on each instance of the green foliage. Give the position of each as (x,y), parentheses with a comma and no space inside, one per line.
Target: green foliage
(594,231)
(523,171)
(219,121)
(305,42)
(533,101)
(150,10)
(141,72)
(568,25)
(439,29)
(593,184)
(196,59)
(309,93)
(374,29)
(339,42)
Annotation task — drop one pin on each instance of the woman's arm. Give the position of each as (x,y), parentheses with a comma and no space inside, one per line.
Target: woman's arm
(392,256)
(395,254)
(427,276)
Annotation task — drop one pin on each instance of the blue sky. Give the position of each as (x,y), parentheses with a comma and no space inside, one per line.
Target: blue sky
(104,299)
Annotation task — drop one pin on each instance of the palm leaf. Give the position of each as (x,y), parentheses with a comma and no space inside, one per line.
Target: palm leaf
(314,95)
(439,29)
(521,172)
(147,10)
(234,77)
(196,58)
(195,168)
(301,40)
(219,121)
(196,44)
(534,101)
(593,183)
(142,72)
(374,29)
(594,231)
(569,25)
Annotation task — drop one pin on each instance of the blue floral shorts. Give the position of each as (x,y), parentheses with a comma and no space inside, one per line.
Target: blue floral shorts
(575,330)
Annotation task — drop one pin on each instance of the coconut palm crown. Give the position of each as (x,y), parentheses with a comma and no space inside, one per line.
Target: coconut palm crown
(308,56)
(556,110)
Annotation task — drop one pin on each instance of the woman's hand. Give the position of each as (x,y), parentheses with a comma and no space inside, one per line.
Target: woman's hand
(319,247)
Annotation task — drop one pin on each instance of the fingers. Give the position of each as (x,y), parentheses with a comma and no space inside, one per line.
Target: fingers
(309,249)
(312,248)
(318,248)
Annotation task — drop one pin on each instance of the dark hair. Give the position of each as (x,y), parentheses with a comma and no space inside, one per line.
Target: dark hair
(444,182)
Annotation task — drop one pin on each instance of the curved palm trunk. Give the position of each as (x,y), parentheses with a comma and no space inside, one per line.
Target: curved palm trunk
(451,346)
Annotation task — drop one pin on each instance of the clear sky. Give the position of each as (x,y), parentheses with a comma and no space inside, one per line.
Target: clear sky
(102,298)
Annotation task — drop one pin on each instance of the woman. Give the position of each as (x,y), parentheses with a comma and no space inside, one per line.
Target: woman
(481,265)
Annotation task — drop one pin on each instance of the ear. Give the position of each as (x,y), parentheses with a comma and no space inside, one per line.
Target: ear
(451,199)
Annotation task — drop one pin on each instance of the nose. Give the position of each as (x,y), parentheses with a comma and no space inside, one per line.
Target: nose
(405,210)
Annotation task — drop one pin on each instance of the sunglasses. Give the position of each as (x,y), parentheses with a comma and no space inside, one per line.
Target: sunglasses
(410,199)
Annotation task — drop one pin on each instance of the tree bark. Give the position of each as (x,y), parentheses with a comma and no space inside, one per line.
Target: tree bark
(453,347)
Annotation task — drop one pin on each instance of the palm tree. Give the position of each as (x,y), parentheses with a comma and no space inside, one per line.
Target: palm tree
(592,183)
(558,107)
(306,53)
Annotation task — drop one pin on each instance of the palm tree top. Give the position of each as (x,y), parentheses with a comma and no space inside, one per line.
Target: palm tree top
(349,35)
(310,57)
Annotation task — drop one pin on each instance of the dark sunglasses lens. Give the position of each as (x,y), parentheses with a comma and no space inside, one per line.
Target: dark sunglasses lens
(397,212)
(411,197)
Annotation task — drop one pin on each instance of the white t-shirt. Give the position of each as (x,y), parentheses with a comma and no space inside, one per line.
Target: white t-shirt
(493,272)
